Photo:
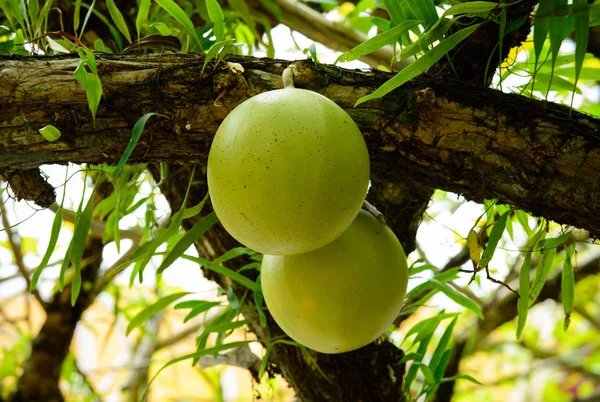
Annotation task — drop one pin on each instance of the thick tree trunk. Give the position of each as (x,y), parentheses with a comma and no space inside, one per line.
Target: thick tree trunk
(40,379)
(443,134)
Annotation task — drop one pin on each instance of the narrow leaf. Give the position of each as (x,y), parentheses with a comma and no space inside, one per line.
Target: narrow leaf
(199,309)
(377,42)
(118,19)
(523,303)
(216,16)
(581,19)
(568,285)
(191,236)
(136,133)
(471,7)
(436,358)
(142,16)
(80,234)
(180,16)
(221,270)
(420,65)
(495,236)
(154,308)
(458,297)
(56,225)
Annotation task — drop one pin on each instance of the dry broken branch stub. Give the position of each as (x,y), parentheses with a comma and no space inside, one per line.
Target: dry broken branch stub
(441,133)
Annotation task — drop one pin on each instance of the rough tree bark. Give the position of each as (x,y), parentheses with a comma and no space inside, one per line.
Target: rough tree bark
(440,133)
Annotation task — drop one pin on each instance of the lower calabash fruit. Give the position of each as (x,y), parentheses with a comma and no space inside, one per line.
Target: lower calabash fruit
(288,171)
(342,296)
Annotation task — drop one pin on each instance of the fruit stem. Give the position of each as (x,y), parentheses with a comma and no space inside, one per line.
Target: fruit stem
(373,211)
(288,77)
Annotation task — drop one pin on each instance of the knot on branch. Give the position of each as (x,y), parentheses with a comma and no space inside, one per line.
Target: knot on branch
(30,185)
(307,75)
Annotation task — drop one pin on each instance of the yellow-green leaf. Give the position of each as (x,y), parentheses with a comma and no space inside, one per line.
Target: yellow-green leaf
(420,65)
(50,133)
(118,19)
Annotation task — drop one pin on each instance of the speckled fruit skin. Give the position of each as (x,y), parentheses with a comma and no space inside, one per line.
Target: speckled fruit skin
(342,296)
(288,171)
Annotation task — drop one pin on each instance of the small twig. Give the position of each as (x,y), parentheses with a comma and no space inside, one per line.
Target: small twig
(87,382)
(373,211)
(489,277)
(15,245)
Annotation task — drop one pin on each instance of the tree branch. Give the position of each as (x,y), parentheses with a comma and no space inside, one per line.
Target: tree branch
(441,133)
(336,36)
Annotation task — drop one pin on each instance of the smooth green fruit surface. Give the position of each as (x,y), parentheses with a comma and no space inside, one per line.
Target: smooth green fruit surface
(288,171)
(342,296)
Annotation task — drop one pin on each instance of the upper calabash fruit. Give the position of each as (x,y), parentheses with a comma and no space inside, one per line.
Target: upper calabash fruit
(287,171)
(342,296)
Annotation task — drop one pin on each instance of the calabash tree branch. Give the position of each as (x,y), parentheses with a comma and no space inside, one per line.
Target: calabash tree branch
(479,142)
(337,36)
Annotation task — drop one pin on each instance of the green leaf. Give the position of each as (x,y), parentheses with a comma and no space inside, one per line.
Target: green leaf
(142,16)
(436,358)
(427,326)
(76,15)
(458,297)
(523,303)
(118,19)
(581,20)
(471,7)
(225,326)
(427,374)
(214,51)
(33,8)
(154,308)
(258,300)
(265,360)
(93,92)
(495,236)
(190,237)
(180,16)
(424,9)
(524,279)
(412,371)
(461,377)
(136,133)
(56,225)
(378,41)
(50,133)
(568,285)
(195,210)
(87,16)
(541,273)
(221,270)
(167,234)
(540,31)
(231,254)
(80,234)
(216,16)
(394,9)
(63,268)
(200,307)
(162,28)
(420,65)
